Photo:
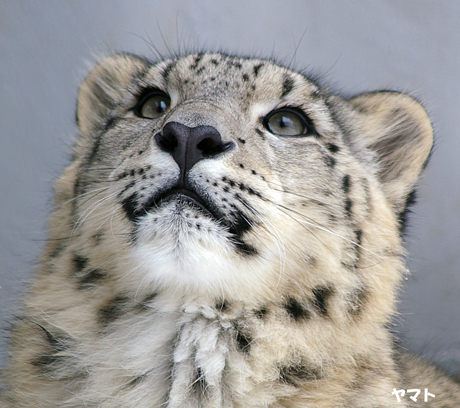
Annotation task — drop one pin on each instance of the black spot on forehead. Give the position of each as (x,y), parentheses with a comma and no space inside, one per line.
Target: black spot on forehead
(196,61)
(168,69)
(288,85)
(256,69)
(235,64)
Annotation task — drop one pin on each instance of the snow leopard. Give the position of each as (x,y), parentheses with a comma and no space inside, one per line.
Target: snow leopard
(227,234)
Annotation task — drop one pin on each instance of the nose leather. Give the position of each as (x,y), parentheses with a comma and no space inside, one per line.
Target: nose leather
(188,145)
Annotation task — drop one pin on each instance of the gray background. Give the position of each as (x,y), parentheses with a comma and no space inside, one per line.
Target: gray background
(410,45)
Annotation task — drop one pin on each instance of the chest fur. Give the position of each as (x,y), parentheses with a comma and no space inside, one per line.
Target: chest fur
(228,356)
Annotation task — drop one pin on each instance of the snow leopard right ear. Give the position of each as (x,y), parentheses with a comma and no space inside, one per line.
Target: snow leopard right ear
(398,130)
(104,88)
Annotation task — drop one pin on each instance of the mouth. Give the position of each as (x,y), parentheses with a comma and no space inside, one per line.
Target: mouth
(235,223)
(236,228)
(185,196)
(135,209)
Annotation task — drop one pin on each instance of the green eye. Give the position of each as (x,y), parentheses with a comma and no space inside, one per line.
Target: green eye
(154,105)
(288,122)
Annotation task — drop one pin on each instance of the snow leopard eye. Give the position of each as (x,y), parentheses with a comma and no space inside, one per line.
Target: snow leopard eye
(153,105)
(288,122)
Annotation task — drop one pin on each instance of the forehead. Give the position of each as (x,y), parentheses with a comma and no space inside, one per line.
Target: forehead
(218,74)
(204,65)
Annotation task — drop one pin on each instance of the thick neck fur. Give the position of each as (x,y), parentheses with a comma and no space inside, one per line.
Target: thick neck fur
(290,338)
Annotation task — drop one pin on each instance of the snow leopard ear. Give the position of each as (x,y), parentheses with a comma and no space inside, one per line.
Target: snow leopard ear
(397,128)
(104,88)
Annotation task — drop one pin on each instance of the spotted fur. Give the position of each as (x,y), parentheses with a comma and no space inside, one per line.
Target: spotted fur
(200,259)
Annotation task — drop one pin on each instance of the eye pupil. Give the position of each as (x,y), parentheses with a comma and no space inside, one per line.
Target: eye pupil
(161,107)
(284,122)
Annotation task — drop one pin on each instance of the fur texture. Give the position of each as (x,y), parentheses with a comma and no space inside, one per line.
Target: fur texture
(227,235)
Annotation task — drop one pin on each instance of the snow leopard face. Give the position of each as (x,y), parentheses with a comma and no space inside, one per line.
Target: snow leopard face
(232,176)
(227,235)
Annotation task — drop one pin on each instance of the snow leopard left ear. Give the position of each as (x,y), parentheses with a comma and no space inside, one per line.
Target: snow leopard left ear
(104,88)
(396,127)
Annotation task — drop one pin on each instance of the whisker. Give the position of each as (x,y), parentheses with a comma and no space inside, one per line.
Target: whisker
(319,226)
(84,216)
(98,190)
(313,200)
(308,230)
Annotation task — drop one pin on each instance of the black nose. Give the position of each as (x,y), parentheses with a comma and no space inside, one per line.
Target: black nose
(188,145)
